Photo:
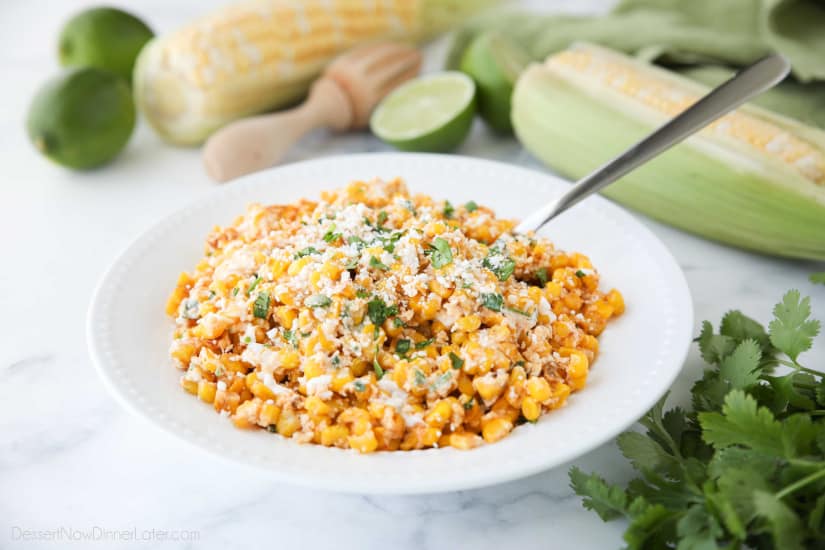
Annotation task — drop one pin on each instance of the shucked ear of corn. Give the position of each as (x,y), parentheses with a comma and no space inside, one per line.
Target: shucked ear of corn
(262,54)
(751,179)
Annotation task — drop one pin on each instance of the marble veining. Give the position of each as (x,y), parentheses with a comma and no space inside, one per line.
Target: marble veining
(71,458)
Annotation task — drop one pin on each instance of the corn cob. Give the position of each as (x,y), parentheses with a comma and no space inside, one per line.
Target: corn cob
(262,54)
(751,179)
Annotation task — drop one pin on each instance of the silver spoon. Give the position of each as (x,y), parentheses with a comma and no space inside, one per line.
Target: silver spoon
(749,82)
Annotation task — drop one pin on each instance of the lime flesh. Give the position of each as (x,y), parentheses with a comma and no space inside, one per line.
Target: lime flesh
(432,113)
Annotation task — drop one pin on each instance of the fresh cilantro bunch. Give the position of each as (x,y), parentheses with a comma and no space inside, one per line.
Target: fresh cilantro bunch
(744,467)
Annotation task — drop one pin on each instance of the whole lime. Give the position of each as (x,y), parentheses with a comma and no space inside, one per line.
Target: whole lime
(106,38)
(82,118)
(494,62)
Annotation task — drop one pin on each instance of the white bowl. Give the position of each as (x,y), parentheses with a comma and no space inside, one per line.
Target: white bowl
(641,352)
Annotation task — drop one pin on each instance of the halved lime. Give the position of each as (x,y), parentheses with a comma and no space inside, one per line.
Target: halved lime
(431,113)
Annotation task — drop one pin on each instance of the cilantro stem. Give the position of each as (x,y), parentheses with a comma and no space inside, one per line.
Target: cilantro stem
(800,483)
(796,366)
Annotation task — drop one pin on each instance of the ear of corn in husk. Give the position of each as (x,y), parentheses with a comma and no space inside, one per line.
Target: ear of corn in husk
(752,179)
(258,55)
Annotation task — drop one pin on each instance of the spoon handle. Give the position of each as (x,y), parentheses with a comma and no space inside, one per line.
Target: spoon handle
(746,84)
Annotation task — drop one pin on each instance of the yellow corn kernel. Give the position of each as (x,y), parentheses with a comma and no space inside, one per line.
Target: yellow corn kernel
(363,443)
(261,390)
(316,406)
(270,412)
(616,300)
(189,385)
(489,388)
(356,418)
(465,384)
(289,358)
(468,323)
(530,409)
(182,352)
(441,290)
(552,290)
(288,423)
(334,436)
(538,388)
(440,414)
(246,415)
(464,440)
(560,329)
(573,301)
(341,378)
(496,428)
(313,368)
(297,265)
(578,365)
(206,391)
(603,309)
(360,367)
(286,316)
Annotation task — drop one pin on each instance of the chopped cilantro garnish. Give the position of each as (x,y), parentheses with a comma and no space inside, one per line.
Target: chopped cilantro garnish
(398,323)
(272,428)
(219,370)
(236,290)
(469,404)
(379,312)
(466,285)
(290,337)
(541,275)
(306,252)
(352,263)
(440,253)
(361,293)
(319,300)
(336,360)
(520,363)
(420,379)
(382,217)
(389,242)
(211,294)
(502,266)
(378,264)
(331,235)
(253,285)
(580,273)
(424,343)
(261,307)
(357,241)
(471,206)
(403,346)
(359,385)
(492,301)
(409,206)
(457,361)
(449,209)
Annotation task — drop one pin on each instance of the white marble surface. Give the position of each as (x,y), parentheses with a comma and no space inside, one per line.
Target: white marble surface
(71,457)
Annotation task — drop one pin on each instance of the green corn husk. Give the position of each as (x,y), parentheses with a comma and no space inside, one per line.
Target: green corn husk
(753,179)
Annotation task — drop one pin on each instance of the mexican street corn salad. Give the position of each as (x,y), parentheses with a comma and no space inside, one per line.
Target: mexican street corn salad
(379,320)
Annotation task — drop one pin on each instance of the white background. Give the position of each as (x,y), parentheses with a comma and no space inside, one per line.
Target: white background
(70,457)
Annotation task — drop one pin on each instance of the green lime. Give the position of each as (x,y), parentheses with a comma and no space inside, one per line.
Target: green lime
(82,117)
(431,113)
(106,38)
(494,62)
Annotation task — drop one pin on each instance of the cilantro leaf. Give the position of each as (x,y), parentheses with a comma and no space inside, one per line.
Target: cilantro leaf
(456,361)
(502,266)
(741,368)
(440,253)
(817,278)
(331,235)
(645,453)
(471,206)
(382,218)
(651,525)
(449,209)
(306,252)
(743,422)
(714,347)
(791,331)
(402,346)
(377,264)
(260,308)
(492,301)
(740,327)
(541,275)
(609,501)
(785,526)
(253,285)
(378,311)
(424,343)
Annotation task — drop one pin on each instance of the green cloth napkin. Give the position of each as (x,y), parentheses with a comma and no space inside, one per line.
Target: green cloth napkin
(696,36)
